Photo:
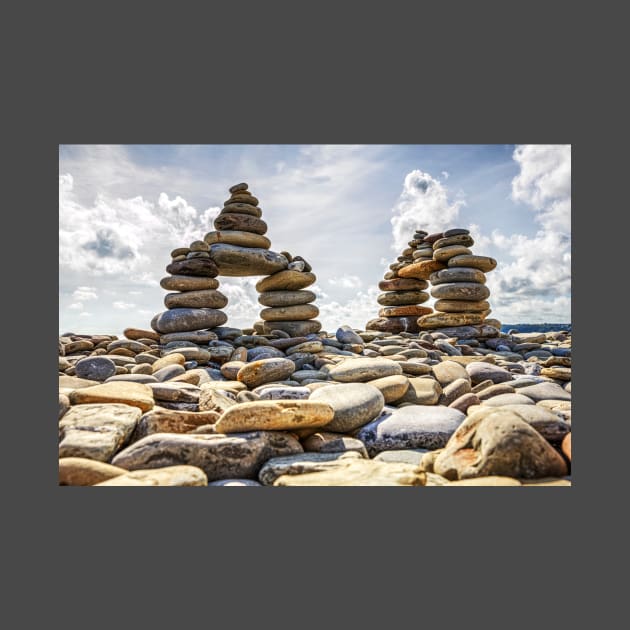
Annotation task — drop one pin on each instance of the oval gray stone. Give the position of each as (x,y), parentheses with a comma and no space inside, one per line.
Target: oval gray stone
(188,283)
(232,260)
(354,404)
(363,369)
(196,299)
(461,291)
(286,298)
(95,368)
(402,298)
(293,328)
(185,319)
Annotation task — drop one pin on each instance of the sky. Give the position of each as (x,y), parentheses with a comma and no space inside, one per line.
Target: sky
(349,210)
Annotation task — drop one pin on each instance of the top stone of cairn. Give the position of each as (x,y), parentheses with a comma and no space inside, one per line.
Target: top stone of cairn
(238,187)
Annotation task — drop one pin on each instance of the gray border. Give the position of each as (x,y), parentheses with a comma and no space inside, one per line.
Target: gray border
(352,74)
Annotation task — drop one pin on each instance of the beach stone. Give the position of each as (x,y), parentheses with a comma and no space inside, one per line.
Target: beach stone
(74,382)
(238,187)
(197,354)
(506,399)
(493,390)
(233,260)
(354,404)
(566,445)
(440,320)
(64,405)
(422,391)
(287,280)
(265,371)
(95,368)
(480,371)
(559,373)
(493,480)
(327,442)
(457,274)
(168,372)
(128,344)
(545,391)
(298,312)
(483,263)
(454,390)
(363,369)
(175,392)
(274,415)
(293,328)
(403,284)
(404,311)
(306,347)
(279,392)
(125,376)
(345,334)
(472,291)
(443,254)
(415,426)
(238,238)
(235,482)
(188,283)
(448,371)
(421,270)
(173,358)
(411,456)
(500,443)
(161,420)
(414,368)
(81,471)
(196,299)
(482,331)
(195,336)
(464,401)
(96,431)
(187,319)
(242,197)
(393,387)
(240,222)
(358,472)
(286,298)
(138,334)
(193,267)
(400,298)
(302,463)
(463,240)
(241,208)
(133,394)
(235,456)
(183,476)
(454,231)
(394,324)
(81,345)
(462,306)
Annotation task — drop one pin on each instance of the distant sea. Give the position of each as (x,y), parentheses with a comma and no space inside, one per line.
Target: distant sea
(523,328)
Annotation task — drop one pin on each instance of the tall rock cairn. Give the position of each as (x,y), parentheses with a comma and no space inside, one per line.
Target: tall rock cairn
(194,302)
(458,282)
(400,302)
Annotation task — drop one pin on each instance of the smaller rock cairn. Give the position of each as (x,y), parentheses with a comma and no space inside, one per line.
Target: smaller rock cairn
(402,296)
(194,304)
(289,307)
(458,282)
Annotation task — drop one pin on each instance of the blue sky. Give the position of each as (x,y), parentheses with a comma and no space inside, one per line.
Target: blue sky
(349,210)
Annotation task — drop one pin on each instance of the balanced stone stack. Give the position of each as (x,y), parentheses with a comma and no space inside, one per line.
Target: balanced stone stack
(238,246)
(402,297)
(458,282)
(289,304)
(194,303)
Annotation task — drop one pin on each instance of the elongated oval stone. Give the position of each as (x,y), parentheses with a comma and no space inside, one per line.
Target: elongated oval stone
(241,208)
(441,320)
(421,269)
(461,291)
(484,263)
(454,239)
(238,237)
(196,299)
(403,284)
(185,319)
(402,311)
(188,283)
(457,274)
(194,267)
(265,371)
(232,260)
(461,306)
(241,222)
(293,328)
(400,298)
(289,313)
(444,253)
(287,280)
(286,298)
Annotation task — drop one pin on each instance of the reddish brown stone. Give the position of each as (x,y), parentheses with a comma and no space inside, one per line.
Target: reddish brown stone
(566,446)
(421,269)
(394,324)
(403,284)
(398,311)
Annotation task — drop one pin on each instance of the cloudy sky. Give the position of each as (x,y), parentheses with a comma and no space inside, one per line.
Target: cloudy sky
(348,210)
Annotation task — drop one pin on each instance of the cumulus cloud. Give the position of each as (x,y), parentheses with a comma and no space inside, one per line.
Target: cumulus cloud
(123,305)
(536,284)
(424,204)
(347,282)
(84,293)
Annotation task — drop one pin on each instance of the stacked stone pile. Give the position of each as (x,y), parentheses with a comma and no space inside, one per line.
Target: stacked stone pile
(459,286)
(402,297)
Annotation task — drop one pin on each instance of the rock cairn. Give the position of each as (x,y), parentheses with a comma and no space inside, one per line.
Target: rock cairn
(459,286)
(402,297)
(288,304)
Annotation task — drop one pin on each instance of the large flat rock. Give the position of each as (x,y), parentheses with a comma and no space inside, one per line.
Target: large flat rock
(233,260)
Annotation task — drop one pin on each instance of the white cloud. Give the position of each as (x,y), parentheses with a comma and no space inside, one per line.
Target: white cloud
(76,306)
(85,314)
(423,205)
(123,305)
(85,293)
(347,282)
(445,175)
